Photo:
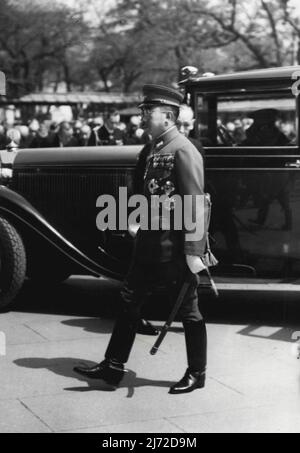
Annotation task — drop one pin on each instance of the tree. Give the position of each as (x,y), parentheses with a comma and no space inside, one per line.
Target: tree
(34,43)
(123,44)
(262,28)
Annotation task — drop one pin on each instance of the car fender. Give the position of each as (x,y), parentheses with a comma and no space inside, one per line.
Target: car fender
(15,207)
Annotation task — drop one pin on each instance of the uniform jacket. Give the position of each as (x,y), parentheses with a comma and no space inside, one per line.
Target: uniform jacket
(171,165)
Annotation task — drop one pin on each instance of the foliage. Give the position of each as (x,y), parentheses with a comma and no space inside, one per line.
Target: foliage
(136,41)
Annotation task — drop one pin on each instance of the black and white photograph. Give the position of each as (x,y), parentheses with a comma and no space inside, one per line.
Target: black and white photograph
(149,219)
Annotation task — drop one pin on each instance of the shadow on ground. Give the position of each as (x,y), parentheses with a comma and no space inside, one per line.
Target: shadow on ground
(63,366)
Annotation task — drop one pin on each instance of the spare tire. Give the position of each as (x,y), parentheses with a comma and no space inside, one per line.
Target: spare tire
(12,263)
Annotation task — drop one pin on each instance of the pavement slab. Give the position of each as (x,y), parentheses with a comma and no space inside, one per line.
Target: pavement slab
(17,418)
(253,379)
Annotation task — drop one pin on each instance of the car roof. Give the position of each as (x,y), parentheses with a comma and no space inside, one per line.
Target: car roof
(2,84)
(280,77)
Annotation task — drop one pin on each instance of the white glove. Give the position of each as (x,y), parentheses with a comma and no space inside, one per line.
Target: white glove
(133,229)
(195,264)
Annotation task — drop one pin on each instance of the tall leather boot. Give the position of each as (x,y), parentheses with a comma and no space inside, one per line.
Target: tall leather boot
(196,347)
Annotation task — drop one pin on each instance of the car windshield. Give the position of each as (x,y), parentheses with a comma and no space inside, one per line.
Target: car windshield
(247,120)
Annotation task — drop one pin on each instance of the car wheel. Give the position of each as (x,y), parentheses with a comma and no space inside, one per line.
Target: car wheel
(12,263)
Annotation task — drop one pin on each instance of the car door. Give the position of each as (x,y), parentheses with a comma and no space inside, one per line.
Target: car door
(253,175)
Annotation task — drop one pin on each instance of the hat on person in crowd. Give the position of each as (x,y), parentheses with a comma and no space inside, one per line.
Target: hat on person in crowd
(98,121)
(86,130)
(135,120)
(34,125)
(264,116)
(161,95)
(13,138)
(54,126)
(24,130)
(78,124)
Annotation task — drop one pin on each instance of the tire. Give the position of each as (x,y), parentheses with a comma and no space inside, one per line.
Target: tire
(12,263)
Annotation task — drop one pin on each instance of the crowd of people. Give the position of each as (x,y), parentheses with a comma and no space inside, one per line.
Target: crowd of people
(268,123)
(109,130)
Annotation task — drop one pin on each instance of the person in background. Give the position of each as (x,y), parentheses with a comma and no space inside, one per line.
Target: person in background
(85,135)
(42,139)
(53,129)
(185,124)
(264,130)
(135,134)
(26,139)
(2,137)
(238,133)
(13,139)
(110,133)
(77,130)
(95,125)
(34,126)
(64,137)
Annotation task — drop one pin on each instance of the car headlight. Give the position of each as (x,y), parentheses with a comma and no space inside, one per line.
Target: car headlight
(6,164)
(6,174)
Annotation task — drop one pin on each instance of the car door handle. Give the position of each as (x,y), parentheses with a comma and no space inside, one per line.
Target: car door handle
(293,164)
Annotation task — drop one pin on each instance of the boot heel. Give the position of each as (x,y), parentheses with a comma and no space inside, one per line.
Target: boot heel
(201,382)
(190,382)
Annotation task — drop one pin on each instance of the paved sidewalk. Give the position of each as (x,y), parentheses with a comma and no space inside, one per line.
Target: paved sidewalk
(252,386)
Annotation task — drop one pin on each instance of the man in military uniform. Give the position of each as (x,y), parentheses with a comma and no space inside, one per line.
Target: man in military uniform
(173,167)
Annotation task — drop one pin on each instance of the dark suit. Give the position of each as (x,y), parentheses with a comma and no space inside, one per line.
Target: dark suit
(105,137)
(55,142)
(170,165)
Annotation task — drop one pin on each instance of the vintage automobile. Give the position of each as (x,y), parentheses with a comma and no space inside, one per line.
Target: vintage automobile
(249,125)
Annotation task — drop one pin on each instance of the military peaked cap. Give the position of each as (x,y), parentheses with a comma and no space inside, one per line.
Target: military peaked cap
(161,95)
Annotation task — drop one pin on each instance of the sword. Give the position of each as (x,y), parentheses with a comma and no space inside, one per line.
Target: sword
(187,287)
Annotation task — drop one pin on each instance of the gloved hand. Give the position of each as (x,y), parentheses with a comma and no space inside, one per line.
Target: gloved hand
(133,229)
(195,264)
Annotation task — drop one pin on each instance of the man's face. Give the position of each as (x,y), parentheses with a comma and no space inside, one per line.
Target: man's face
(85,132)
(66,132)
(43,131)
(185,122)
(185,127)
(114,120)
(153,120)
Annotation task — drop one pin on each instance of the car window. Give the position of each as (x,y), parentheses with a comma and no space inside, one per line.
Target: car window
(247,120)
